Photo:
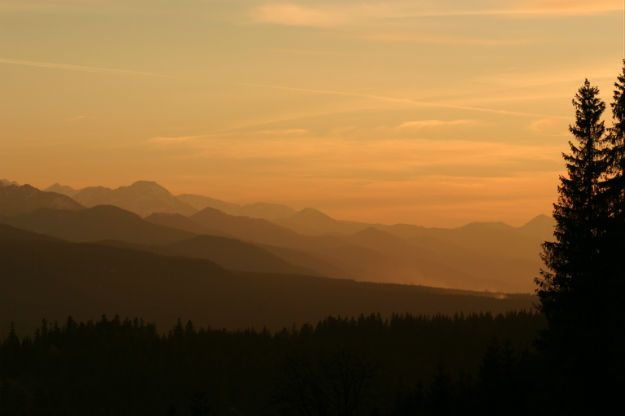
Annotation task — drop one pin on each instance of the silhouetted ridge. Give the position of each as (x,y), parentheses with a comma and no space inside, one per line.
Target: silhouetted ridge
(16,199)
(141,197)
(179,222)
(311,221)
(233,255)
(61,189)
(88,280)
(9,233)
(95,224)
(245,228)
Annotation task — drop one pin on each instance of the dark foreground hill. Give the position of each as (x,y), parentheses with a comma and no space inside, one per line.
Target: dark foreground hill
(53,279)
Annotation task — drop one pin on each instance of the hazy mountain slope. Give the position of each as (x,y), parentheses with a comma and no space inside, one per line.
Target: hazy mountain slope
(57,279)
(300,258)
(62,189)
(199,202)
(180,222)
(308,260)
(95,224)
(478,255)
(495,253)
(232,254)
(310,221)
(264,210)
(142,198)
(246,228)
(9,233)
(373,254)
(355,261)
(16,199)
(410,263)
(6,182)
(124,229)
(541,227)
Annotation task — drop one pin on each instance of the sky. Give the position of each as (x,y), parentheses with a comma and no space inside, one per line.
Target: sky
(431,112)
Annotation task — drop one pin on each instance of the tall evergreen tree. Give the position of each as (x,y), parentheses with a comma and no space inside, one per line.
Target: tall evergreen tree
(571,261)
(617,148)
(577,290)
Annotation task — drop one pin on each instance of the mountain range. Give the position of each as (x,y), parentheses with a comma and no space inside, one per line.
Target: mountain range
(479,256)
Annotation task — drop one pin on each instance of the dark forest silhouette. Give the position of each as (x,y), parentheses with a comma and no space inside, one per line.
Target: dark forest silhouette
(568,357)
(364,366)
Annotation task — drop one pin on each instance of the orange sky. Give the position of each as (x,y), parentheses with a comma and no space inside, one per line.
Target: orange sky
(429,112)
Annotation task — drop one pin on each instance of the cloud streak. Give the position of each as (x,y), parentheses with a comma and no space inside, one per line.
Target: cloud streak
(337,14)
(78,68)
(433,124)
(403,101)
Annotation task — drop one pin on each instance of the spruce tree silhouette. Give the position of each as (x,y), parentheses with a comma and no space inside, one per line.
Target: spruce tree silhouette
(574,284)
(571,260)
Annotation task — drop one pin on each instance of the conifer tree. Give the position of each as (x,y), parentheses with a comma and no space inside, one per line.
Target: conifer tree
(577,290)
(571,260)
(617,147)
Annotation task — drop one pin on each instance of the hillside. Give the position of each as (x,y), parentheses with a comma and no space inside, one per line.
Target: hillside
(57,279)
(231,254)
(95,224)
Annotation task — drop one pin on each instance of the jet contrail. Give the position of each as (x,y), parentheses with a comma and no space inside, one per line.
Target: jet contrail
(407,101)
(80,68)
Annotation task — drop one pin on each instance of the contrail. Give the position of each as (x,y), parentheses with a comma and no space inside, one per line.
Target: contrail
(407,101)
(79,68)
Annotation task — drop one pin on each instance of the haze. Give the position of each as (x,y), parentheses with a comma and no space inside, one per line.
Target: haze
(421,112)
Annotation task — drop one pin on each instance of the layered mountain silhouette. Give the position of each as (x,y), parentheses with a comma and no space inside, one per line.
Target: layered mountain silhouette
(96,224)
(62,189)
(20,199)
(52,278)
(311,221)
(115,227)
(478,256)
(262,210)
(6,182)
(142,198)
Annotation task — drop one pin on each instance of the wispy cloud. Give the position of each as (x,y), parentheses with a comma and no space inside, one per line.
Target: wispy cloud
(425,39)
(290,14)
(433,124)
(173,140)
(404,101)
(600,70)
(549,127)
(338,13)
(79,68)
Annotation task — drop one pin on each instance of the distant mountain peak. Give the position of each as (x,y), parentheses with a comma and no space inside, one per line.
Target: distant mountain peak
(6,182)
(18,199)
(61,189)
(141,197)
(313,213)
(148,186)
(539,219)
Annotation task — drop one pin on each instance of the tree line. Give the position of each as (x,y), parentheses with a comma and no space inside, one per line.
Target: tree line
(362,366)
